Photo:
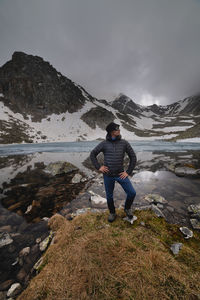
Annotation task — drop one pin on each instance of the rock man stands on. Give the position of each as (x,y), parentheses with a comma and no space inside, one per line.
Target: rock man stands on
(114,149)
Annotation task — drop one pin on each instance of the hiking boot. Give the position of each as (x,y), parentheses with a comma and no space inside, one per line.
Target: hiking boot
(111,217)
(129,213)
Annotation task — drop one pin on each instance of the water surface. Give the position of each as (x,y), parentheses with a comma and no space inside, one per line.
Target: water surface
(87,146)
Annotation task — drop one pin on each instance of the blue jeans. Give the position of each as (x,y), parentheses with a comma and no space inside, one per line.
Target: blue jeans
(109,182)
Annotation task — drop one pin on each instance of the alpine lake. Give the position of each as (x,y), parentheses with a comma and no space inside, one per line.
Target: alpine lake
(40,180)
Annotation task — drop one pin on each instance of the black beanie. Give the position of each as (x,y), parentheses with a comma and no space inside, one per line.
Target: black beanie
(112,126)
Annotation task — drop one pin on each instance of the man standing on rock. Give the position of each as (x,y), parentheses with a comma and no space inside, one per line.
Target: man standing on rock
(114,149)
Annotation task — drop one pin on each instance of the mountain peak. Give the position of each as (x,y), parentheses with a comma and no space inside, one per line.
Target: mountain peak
(33,86)
(123,97)
(21,55)
(125,104)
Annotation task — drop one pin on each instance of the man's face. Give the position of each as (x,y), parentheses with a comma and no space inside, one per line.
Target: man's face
(115,132)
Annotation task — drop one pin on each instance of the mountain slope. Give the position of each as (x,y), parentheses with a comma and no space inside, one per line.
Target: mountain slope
(32,86)
(175,118)
(39,104)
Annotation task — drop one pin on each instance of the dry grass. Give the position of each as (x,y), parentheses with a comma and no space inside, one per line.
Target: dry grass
(91,260)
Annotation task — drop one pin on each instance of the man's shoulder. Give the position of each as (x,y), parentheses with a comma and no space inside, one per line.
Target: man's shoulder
(123,141)
(102,143)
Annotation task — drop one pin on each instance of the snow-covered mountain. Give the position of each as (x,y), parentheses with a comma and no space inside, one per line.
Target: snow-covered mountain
(181,119)
(39,104)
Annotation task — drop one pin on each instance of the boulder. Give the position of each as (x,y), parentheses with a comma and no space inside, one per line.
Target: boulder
(96,199)
(14,290)
(155,198)
(44,244)
(38,264)
(187,232)
(60,167)
(176,247)
(194,208)
(24,251)
(195,223)
(77,178)
(143,207)
(5,239)
(187,172)
(157,211)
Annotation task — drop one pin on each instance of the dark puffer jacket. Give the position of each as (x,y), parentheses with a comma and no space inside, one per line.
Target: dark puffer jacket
(114,151)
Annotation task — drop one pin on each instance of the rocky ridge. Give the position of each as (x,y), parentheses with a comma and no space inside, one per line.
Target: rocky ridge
(39,104)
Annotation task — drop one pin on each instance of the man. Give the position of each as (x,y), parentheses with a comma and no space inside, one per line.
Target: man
(114,148)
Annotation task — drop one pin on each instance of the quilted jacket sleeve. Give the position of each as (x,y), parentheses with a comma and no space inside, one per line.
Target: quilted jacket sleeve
(132,157)
(94,153)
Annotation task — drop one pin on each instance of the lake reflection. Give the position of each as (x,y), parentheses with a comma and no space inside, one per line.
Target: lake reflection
(178,191)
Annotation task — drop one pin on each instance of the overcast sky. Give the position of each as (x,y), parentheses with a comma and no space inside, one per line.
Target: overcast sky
(146,49)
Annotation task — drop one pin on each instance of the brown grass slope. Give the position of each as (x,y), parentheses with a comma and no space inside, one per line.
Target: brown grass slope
(92,259)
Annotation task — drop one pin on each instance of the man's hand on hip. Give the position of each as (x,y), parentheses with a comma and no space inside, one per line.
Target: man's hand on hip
(104,169)
(123,175)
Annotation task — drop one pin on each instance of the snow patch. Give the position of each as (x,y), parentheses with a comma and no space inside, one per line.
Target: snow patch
(175,128)
(191,140)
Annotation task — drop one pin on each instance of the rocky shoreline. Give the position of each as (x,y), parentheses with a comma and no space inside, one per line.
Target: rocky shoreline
(28,201)
(36,194)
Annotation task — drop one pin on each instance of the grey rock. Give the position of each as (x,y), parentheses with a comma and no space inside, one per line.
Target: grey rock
(44,244)
(24,251)
(187,232)
(171,209)
(157,211)
(155,198)
(96,199)
(77,178)
(195,223)
(160,206)
(194,208)
(171,167)
(83,179)
(186,171)
(176,247)
(60,167)
(143,207)
(5,239)
(196,216)
(38,264)
(14,290)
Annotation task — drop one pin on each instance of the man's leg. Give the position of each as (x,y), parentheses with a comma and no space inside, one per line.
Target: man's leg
(129,189)
(109,183)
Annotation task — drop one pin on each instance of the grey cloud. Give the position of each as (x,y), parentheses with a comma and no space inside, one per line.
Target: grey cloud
(136,47)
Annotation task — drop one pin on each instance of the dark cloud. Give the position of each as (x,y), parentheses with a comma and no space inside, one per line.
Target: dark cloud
(147,49)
